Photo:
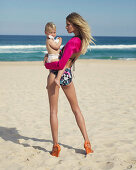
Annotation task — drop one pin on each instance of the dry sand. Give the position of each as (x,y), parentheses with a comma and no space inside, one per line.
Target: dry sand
(106,91)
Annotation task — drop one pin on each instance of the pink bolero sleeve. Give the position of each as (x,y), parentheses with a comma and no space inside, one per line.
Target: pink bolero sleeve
(72,46)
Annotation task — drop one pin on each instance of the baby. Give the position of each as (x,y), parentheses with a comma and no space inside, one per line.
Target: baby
(53,48)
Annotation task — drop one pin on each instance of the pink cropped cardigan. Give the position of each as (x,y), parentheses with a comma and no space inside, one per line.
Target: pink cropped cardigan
(72,46)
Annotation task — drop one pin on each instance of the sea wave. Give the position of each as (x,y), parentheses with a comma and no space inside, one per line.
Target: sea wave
(121,46)
(21,46)
(18,51)
(129,59)
(112,46)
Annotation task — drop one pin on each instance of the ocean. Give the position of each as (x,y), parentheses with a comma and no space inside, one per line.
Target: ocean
(32,48)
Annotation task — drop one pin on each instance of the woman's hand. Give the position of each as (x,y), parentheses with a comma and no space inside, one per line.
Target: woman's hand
(69,64)
(45,59)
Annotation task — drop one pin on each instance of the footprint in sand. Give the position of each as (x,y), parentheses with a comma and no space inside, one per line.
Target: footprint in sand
(109,165)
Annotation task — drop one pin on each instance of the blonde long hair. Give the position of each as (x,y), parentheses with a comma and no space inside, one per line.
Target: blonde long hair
(83,28)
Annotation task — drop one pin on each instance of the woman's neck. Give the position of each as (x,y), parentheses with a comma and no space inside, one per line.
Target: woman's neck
(78,35)
(76,32)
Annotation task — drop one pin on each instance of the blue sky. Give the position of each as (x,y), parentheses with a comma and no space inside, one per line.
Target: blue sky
(106,17)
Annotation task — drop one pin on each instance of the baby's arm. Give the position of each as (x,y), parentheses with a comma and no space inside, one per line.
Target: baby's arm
(55,45)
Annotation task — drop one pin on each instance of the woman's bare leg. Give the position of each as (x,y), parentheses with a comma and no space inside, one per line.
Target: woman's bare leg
(71,96)
(53,93)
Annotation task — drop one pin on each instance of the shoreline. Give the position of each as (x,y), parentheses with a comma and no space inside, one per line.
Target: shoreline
(78,61)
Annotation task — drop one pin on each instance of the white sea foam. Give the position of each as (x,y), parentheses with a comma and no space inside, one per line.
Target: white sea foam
(17,51)
(5,48)
(24,46)
(112,46)
(45,52)
(129,59)
(21,46)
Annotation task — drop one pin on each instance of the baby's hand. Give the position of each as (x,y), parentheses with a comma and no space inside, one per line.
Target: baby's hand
(59,38)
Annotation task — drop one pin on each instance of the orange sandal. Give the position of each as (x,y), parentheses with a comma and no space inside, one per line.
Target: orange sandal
(56,150)
(87,147)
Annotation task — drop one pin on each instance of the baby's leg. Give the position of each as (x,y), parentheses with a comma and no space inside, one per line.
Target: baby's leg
(60,73)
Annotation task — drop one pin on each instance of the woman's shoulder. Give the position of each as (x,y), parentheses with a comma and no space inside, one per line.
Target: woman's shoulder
(75,40)
(74,43)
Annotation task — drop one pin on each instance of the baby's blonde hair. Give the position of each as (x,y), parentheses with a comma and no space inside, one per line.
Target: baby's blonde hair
(83,28)
(50,25)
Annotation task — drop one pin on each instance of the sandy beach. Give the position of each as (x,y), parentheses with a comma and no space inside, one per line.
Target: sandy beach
(106,91)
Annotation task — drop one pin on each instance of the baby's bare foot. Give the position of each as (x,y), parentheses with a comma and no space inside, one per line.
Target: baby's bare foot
(57,82)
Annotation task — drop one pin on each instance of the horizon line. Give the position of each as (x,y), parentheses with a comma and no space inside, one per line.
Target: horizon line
(68,35)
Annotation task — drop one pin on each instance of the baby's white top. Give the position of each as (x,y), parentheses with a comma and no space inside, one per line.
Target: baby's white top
(55,40)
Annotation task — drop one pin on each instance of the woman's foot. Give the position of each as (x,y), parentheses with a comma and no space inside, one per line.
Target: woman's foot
(56,150)
(57,82)
(87,147)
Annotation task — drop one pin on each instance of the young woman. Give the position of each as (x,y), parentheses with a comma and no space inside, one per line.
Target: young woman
(71,51)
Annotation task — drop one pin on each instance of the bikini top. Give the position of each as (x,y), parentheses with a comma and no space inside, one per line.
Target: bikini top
(72,46)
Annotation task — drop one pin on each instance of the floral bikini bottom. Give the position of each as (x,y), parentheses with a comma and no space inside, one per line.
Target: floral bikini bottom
(66,77)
